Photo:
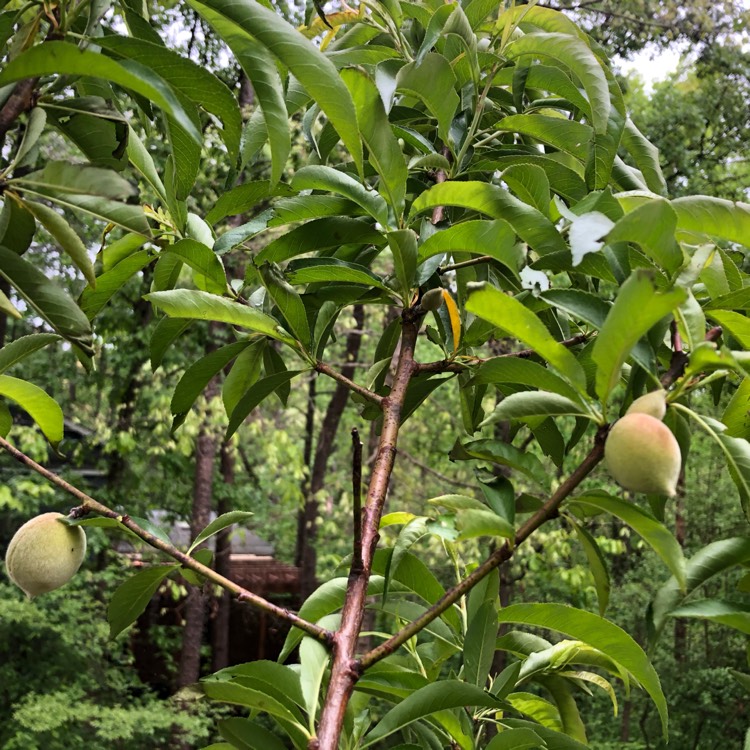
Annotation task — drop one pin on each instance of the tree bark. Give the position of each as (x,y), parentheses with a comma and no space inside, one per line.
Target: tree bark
(307,557)
(220,633)
(206,448)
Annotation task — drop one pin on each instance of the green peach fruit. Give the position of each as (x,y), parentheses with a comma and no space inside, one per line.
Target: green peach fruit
(654,404)
(432,300)
(643,455)
(44,554)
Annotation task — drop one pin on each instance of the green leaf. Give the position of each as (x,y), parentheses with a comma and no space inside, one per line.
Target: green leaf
(708,562)
(247,735)
(534,404)
(319,177)
(426,701)
(254,395)
(499,370)
(655,534)
(314,270)
(599,633)
(62,58)
(98,129)
(81,179)
(497,451)
(142,160)
(197,377)
(574,54)
(493,238)
(319,234)
(638,307)
(193,81)
(432,82)
(552,740)
(187,303)
(69,241)
(713,217)
(166,331)
(244,374)
(227,692)
(479,644)
(288,301)
(646,157)
(563,134)
(520,738)
(310,67)
(509,315)
(132,597)
(21,348)
(93,300)
(733,614)
(475,523)
(50,301)
(43,409)
(241,199)
(530,224)
(314,659)
(597,565)
(224,520)
(403,244)
(737,414)
(531,184)
(412,532)
(384,153)
(652,225)
(203,261)
(734,323)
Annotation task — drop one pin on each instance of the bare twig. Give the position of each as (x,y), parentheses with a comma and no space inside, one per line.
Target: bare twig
(464,264)
(429,470)
(90,505)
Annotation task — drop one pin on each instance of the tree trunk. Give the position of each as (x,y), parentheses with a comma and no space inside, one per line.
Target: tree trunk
(220,633)
(195,607)
(307,525)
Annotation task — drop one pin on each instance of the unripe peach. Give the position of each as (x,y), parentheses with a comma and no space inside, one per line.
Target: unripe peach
(432,300)
(643,455)
(44,554)
(654,403)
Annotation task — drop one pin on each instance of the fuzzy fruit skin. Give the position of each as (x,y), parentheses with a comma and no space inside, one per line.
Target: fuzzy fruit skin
(45,554)
(643,455)
(654,403)
(432,300)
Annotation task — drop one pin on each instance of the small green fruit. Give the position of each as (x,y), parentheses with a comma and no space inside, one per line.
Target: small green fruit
(643,455)
(44,554)
(431,300)
(654,404)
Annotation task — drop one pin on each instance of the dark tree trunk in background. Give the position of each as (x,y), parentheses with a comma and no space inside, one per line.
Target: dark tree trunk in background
(307,522)
(206,448)
(220,639)
(680,529)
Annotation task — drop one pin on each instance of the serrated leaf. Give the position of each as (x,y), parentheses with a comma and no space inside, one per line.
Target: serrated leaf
(203,261)
(93,300)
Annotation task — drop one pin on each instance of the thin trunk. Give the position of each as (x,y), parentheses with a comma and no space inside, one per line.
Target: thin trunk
(220,639)
(207,445)
(627,710)
(307,459)
(307,554)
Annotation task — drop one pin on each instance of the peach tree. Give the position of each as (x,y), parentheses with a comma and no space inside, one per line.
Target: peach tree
(470,173)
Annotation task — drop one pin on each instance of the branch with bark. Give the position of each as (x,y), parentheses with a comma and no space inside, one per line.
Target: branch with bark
(89,505)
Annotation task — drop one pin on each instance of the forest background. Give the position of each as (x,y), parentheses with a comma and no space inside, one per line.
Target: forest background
(63,683)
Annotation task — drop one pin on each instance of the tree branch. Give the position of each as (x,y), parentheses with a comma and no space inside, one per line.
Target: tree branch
(344,671)
(356,500)
(90,505)
(501,555)
(325,369)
